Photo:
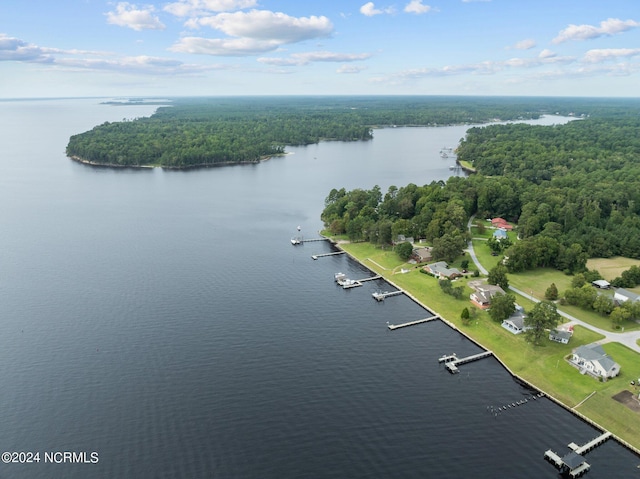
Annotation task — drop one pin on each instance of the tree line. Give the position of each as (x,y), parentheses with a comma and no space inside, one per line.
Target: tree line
(573,190)
(209,131)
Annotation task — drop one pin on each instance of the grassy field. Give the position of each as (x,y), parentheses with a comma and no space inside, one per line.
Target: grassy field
(544,366)
(611,268)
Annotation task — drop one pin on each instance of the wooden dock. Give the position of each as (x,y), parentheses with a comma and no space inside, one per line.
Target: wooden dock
(316,256)
(412,323)
(591,444)
(573,464)
(452,361)
(368,279)
(314,239)
(386,294)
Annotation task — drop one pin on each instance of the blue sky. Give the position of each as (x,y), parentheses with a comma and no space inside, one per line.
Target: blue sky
(53,48)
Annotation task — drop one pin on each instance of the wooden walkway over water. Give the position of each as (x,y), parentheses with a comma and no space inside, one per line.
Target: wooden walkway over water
(411,323)
(573,464)
(316,256)
(386,294)
(452,361)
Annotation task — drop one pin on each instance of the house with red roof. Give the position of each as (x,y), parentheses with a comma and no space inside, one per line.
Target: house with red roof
(501,223)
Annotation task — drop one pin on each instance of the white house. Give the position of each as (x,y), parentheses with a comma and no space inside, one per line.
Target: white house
(591,359)
(515,322)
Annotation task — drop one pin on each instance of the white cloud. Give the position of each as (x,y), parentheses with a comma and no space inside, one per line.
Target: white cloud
(129,15)
(603,54)
(525,44)
(224,47)
(14,49)
(297,59)
(607,27)
(480,68)
(369,9)
(185,8)
(416,6)
(350,69)
(546,53)
(268,26)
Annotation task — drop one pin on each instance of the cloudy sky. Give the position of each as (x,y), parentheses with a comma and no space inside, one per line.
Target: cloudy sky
(51,48)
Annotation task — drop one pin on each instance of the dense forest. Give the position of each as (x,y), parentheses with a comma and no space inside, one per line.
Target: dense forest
(573,190)
(209,131)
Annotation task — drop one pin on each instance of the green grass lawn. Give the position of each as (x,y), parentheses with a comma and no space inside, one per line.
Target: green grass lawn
(544,366)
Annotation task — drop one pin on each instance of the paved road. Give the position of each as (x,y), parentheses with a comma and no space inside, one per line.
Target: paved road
(472,253)
(628,339)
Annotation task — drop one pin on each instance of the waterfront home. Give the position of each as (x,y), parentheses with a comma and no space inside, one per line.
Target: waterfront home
(483,293)
(621,295)
(560,336)
(422,255)
(592,360)
(515,323)
(441,270)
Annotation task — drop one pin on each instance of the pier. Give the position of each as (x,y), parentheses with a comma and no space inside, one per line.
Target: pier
(573,464)
(452,361)
(316,256)
(411,323)
(347,283)
(386,294)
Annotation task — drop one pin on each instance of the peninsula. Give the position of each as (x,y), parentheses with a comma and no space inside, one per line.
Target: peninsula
(201,132)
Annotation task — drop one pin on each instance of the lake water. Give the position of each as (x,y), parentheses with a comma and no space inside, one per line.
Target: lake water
(163,320)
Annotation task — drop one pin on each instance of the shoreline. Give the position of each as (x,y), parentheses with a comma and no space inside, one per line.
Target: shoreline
(164,167)
(513,375)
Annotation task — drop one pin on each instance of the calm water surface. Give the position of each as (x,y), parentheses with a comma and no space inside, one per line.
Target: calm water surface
(164,321)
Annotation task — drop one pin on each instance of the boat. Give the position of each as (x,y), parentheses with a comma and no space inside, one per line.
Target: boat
(296,241)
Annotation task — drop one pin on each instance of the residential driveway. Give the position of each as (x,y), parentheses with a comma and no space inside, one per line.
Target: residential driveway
(472,253)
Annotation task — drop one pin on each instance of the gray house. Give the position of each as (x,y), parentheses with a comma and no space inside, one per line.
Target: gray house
(591,359)
(515,322)
(441,270)
(560,336)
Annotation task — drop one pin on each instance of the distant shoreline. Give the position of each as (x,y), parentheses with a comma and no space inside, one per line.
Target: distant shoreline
(189,167)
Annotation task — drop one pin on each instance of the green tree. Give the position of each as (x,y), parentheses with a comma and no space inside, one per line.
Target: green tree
(552,292)
(603,304)
(618,316)
(502,306)
(465,316)
(404,250)
(544,316)
(498,276)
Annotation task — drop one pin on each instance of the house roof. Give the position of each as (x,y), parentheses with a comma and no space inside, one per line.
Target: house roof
(559,333)
(443,269)
(627,294)
(595,353)
(517,319)
(601,283)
